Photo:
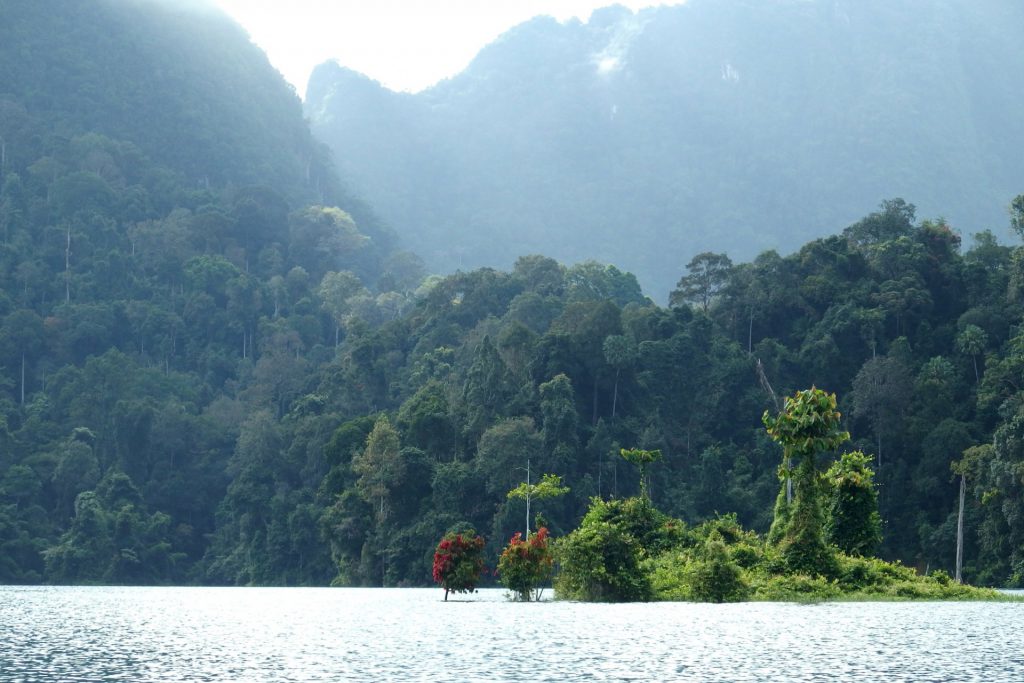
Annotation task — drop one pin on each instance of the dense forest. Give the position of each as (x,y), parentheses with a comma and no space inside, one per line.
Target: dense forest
(218,368)
(730,126)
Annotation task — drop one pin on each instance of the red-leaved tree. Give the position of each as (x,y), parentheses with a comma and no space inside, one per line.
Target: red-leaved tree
(459,562)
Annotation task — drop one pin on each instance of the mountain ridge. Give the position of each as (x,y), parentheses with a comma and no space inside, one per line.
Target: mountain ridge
(645,138)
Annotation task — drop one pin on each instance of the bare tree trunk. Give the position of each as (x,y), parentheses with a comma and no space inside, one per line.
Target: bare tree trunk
(960,531)
(67,269)
(750,332)
(615,393)
(527,536)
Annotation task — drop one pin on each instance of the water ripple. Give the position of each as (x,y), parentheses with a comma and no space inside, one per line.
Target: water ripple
(86,635)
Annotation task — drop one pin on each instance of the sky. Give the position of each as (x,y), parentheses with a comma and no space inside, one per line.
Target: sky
(405,44)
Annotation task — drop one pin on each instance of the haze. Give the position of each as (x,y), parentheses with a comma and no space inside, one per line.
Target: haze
(406,46)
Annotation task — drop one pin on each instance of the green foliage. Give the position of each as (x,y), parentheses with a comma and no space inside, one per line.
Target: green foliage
(204,365)
(708,274)
(808,424)
(641,458)
(715,576)
(549,486)
(600,562)
(852,521)
(526,566)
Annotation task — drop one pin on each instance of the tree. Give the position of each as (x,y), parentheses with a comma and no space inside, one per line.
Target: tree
(641,459)
(881,391)
(852,523)
(708,274)
(1017,215)
(558,408)
(525,566)
(487,388)
(21,337)
(894,219)
(549,486)
(459,562)
(808,424)
(971,341)
(505,447)
(620,352)
(336,291)
(972,458)
(379,466)
(324,239)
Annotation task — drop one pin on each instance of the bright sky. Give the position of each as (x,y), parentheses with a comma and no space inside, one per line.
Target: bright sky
(404,44)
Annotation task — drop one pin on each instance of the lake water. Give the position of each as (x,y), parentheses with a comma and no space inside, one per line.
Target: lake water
(61,634)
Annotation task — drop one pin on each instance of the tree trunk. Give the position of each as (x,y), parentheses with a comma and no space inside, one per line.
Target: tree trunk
(750,332)
(960,531)
(67,269)
(615,393)
(527,536)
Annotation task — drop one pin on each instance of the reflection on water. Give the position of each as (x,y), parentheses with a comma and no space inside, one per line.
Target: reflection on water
(319,634)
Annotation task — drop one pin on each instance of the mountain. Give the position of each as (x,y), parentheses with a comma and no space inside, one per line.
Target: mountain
(177,258)
(718,125)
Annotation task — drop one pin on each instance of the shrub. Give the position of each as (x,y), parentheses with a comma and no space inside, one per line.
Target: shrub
(853,524)
(600,562)
(715,577)
(654,531)
(525,566)
(795,588)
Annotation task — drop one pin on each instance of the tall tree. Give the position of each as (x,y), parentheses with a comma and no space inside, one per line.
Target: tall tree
(707,276)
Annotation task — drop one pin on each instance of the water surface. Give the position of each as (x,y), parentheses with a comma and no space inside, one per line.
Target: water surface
(320,634)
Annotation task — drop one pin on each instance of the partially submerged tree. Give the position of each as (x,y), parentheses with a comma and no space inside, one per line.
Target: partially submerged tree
(459,562)
(549,486)
(526,565)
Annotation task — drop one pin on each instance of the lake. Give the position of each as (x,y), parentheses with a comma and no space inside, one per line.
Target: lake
(321,634)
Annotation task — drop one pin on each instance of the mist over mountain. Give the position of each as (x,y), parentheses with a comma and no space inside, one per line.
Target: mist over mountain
(643,139)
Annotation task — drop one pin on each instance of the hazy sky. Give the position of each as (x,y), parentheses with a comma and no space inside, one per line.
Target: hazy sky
(404,44)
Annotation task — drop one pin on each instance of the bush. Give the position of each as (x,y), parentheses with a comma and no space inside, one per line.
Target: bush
(525,566)
(795,588)
(715,577)
(853,523)
(655,531)
(600,562)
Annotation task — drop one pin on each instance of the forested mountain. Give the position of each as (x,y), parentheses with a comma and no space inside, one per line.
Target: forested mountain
(169,238)
(216,368)
(718,125)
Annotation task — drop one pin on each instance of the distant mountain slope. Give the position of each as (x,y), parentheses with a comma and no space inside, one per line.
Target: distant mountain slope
(643,139)
(179,80)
